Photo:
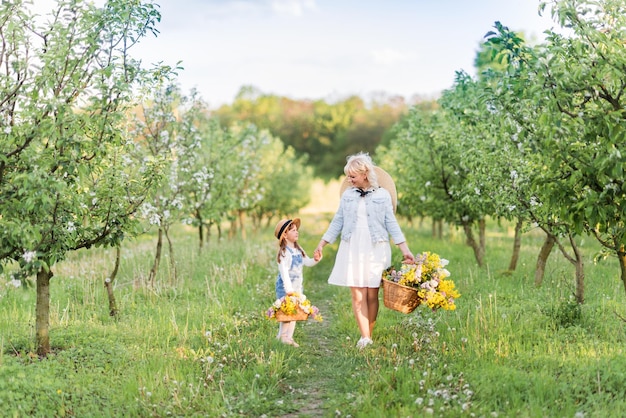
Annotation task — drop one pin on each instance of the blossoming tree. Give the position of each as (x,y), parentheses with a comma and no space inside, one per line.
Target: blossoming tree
(64,184)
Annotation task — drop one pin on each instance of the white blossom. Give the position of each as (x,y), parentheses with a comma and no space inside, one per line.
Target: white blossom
(29,256)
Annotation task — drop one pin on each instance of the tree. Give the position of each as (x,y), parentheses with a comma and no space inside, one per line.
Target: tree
(63,179)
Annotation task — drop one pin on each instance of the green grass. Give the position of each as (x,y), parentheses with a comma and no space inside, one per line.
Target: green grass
(198,345)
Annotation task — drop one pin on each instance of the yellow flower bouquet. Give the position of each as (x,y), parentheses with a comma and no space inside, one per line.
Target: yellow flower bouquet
(429,277)
(295,307)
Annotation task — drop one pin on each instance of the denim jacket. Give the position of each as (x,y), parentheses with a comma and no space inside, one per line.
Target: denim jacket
(380,217)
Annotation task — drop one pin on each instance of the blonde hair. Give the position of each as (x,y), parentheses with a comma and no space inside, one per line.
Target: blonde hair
(361,163)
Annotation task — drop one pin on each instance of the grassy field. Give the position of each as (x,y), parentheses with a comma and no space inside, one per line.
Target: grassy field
(198,345)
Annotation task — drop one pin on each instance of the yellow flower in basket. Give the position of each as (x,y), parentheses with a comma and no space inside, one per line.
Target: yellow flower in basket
(295,307)
(429,277)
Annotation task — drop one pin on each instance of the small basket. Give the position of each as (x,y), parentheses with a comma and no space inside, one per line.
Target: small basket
(400,298)
(300,315)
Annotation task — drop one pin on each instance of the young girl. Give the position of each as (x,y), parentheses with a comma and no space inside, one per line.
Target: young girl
(291,258)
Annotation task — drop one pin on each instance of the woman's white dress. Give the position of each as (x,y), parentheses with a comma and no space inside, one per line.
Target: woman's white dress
(359,262)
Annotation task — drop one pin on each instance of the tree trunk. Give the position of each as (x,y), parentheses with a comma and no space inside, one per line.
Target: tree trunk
(482,237)
(621,256)
(157,259)
(580,271)
(108,282)
(434,229)
(542,258)
(200,231)
(42,313)
(242,217)
(580,280)
(208,232)
(170,247)
(472,243)
(517,244)
(232,232)
(440,229)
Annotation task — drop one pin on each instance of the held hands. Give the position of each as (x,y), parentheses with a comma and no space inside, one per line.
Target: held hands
(317,254)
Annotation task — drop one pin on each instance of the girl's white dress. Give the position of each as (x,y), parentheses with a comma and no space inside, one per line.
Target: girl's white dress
(360,262)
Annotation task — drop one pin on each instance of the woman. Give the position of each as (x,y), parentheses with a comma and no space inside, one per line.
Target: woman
(365,219)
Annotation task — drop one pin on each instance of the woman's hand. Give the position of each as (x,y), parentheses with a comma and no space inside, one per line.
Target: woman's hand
(409,258)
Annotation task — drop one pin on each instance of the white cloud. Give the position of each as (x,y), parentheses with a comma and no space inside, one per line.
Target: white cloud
(292,7)
(389,56)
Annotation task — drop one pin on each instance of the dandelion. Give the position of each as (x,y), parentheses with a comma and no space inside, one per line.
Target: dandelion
(419,401)
(15,283)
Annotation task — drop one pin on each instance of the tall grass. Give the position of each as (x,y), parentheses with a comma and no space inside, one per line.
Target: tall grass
(198,344)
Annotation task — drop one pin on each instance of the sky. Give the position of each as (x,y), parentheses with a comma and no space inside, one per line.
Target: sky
(328,49)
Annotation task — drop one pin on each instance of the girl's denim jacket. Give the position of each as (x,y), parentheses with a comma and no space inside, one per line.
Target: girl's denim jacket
(380,217)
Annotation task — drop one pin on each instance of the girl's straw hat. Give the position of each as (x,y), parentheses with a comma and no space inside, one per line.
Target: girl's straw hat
(283,226)
(384,180)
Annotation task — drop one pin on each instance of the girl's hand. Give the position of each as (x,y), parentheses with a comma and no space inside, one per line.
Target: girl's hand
(317,254)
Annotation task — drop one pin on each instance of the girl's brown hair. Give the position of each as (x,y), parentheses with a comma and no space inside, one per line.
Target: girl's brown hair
(282,244)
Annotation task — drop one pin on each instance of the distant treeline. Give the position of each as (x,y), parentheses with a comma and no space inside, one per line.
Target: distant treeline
(325,132)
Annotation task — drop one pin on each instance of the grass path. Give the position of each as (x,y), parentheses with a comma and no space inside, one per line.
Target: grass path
(322,348)
(318,346)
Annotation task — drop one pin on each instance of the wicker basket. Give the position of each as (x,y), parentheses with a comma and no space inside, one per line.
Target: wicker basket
(300,315)
(400,298)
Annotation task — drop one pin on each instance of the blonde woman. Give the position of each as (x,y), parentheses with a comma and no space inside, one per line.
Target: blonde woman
(365,220)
